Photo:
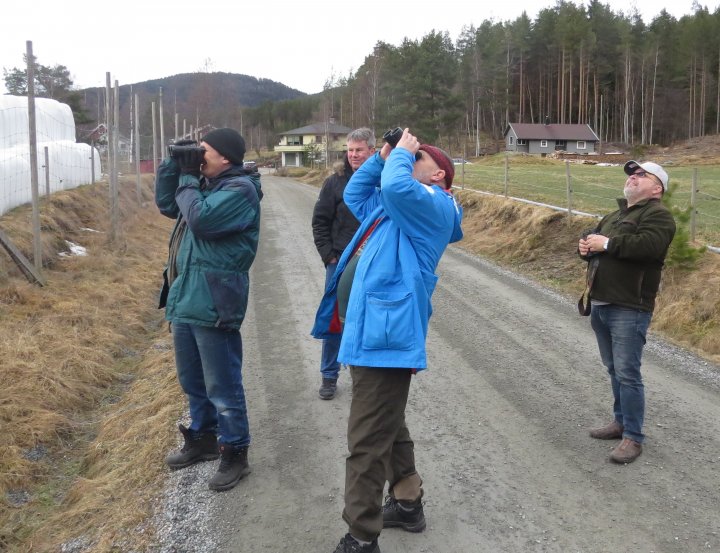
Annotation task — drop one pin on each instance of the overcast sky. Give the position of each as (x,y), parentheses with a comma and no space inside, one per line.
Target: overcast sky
(301,44)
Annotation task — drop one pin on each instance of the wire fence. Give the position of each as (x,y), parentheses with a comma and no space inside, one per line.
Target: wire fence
(38,135)
(593,189)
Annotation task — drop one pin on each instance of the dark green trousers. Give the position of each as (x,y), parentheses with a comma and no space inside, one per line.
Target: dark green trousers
(379,443)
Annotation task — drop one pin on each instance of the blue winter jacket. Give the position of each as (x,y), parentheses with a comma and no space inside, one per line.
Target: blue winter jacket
(217,248)
(389,306)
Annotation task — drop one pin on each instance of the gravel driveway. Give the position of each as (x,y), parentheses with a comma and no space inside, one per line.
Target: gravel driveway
(499,420)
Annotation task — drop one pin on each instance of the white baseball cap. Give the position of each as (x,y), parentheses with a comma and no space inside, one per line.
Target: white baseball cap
(649,167)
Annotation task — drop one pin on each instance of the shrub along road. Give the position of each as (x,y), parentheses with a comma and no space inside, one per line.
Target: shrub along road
(499,420)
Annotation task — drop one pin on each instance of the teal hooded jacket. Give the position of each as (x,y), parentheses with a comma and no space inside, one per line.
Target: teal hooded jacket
(221,220)
(389,305)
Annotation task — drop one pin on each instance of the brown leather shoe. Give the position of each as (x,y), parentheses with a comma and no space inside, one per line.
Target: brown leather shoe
(626,451)
(611,431)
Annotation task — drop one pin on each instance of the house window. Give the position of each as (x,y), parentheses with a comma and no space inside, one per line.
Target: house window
(318,138)
(581,145)
(294,141)
(521,142)
(543,143)
(560,144)
(512,139)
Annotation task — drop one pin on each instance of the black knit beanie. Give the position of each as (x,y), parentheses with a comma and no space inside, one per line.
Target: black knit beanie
(228,143)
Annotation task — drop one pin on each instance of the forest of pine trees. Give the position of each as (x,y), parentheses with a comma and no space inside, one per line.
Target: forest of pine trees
(633,82)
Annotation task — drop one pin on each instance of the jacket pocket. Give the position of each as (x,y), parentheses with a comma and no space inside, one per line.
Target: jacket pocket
(229,293)
(389,322)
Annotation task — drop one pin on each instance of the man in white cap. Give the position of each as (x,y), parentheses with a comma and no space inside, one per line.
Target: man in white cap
(625,255)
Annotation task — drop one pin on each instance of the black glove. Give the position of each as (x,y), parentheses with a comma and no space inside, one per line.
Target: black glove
(190,160)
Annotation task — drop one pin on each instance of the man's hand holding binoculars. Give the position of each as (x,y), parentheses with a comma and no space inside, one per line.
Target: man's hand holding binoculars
(399,137)
(189,156)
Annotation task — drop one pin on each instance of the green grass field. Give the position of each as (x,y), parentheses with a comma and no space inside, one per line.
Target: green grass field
(594,187)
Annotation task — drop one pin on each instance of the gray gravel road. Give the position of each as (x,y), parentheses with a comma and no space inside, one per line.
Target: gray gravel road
(499,420)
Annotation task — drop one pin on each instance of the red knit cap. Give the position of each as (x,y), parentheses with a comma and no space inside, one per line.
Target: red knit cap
(443,162)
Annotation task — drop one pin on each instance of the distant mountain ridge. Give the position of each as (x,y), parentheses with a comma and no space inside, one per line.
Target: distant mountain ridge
(206,97)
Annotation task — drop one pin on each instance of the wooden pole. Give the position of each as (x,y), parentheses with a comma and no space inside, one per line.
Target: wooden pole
(138,190)
(92,162)
(27,268)
(47,172)
(114,209)
(693,207)
(109,134)
(569,187)
(37,245)
(162,126)
(154,139)
(507,170)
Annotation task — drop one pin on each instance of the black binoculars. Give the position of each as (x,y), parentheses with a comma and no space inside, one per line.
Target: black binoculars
(392,136)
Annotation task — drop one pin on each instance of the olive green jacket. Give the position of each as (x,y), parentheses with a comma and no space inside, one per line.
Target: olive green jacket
(628,273)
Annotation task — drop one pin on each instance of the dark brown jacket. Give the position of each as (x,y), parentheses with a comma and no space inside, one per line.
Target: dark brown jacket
(333,223)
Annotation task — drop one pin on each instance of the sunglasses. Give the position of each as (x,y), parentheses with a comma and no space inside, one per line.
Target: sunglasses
(640,174)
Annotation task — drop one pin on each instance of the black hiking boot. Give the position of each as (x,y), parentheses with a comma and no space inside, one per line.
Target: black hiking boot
(407,515)
(348,544)
(328,388)
(233,467)
(201,448)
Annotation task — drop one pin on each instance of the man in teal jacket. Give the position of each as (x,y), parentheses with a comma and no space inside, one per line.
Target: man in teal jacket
(217,206)
(380,297)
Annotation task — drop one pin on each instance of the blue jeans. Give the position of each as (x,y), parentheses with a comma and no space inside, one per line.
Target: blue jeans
(620,334)
(329,366)
(209,368)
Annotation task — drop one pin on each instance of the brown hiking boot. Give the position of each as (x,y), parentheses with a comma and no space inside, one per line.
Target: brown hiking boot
(233,468)
(626,451)
(197,448)
(611,431)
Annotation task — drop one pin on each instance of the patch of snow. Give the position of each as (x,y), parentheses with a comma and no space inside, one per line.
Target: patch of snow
(75,249)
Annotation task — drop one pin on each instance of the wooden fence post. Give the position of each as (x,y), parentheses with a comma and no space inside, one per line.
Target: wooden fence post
(47,172)
(506,174)
(569,187)
(693,207)
(138,190)
(32,129)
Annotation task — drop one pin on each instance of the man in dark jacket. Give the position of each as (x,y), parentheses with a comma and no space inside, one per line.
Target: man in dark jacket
(625,255)
(333,227)
(217,206)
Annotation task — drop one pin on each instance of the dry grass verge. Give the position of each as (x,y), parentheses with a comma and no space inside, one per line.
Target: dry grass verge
(88,379)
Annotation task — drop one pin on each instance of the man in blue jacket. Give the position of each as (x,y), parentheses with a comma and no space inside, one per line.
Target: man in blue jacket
(217,206)
(380,298)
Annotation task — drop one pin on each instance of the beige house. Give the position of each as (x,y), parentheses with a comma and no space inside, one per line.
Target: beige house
(316,143)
